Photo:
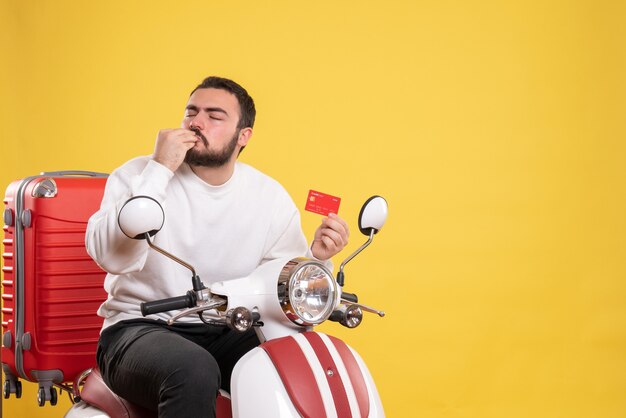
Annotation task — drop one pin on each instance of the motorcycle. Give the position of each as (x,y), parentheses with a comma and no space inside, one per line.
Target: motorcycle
(295,372)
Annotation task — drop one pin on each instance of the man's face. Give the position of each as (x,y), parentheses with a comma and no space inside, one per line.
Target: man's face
(213,113)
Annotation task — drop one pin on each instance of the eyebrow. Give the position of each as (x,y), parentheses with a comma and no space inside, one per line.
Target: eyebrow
(207,109)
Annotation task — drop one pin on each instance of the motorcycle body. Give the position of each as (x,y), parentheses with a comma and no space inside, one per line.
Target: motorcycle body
(295,372)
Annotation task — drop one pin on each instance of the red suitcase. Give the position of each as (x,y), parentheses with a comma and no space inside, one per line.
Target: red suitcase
(51,287)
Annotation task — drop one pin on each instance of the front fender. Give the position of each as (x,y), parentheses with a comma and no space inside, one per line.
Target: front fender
(308,374)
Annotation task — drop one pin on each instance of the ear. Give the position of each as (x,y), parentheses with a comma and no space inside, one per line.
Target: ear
(244,136)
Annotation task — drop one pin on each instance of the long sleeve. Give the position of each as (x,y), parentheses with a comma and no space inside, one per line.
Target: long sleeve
(106,244)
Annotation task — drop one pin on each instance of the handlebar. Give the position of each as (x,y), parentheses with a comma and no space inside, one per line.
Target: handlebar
(350,297)
(168,304)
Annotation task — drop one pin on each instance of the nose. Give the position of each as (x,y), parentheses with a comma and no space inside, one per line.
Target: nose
(196,122)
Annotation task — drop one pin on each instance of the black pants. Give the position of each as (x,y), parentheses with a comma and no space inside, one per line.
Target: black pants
(176,370)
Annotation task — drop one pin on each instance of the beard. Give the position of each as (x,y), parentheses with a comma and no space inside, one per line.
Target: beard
(208,158)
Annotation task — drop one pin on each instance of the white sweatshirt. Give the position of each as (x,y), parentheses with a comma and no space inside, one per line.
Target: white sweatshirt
(225,232)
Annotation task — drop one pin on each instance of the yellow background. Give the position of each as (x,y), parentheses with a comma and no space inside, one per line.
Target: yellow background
(496,131)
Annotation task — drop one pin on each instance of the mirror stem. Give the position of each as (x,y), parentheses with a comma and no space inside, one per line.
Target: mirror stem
(197,284)
(340,275)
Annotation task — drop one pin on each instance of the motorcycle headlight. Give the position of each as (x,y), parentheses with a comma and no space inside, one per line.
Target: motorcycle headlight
(307,291)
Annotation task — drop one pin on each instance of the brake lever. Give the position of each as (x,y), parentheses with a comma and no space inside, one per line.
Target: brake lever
(364,307)
(211,304)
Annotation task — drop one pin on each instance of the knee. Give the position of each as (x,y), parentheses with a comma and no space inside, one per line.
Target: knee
(194,374)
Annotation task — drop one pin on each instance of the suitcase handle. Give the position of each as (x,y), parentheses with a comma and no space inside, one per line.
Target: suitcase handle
(74,173)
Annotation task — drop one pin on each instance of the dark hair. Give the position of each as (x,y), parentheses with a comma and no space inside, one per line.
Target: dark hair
(246,104)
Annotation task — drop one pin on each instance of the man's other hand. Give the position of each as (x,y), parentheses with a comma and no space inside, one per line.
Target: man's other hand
(330,237)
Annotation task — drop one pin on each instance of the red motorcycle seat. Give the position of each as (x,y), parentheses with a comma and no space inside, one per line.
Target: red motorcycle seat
(95,392)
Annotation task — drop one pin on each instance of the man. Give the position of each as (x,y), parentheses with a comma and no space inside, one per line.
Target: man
(224,218)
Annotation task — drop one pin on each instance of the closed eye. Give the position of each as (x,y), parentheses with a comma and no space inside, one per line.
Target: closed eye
(191,111)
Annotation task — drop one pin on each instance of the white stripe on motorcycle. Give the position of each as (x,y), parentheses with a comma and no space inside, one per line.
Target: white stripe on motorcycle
(320,376)
(343,373)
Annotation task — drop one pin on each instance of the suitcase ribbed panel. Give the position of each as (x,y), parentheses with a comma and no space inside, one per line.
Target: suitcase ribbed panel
(68,283)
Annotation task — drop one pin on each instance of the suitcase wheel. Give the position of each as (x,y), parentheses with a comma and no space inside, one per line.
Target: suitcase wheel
(12,386)
(53,397)
(47,394)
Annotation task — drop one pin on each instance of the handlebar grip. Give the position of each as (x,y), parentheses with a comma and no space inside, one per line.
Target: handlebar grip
(168,304)
(351,297)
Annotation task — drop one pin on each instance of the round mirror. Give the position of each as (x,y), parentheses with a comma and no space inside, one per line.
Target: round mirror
(140,215)
(373,215)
